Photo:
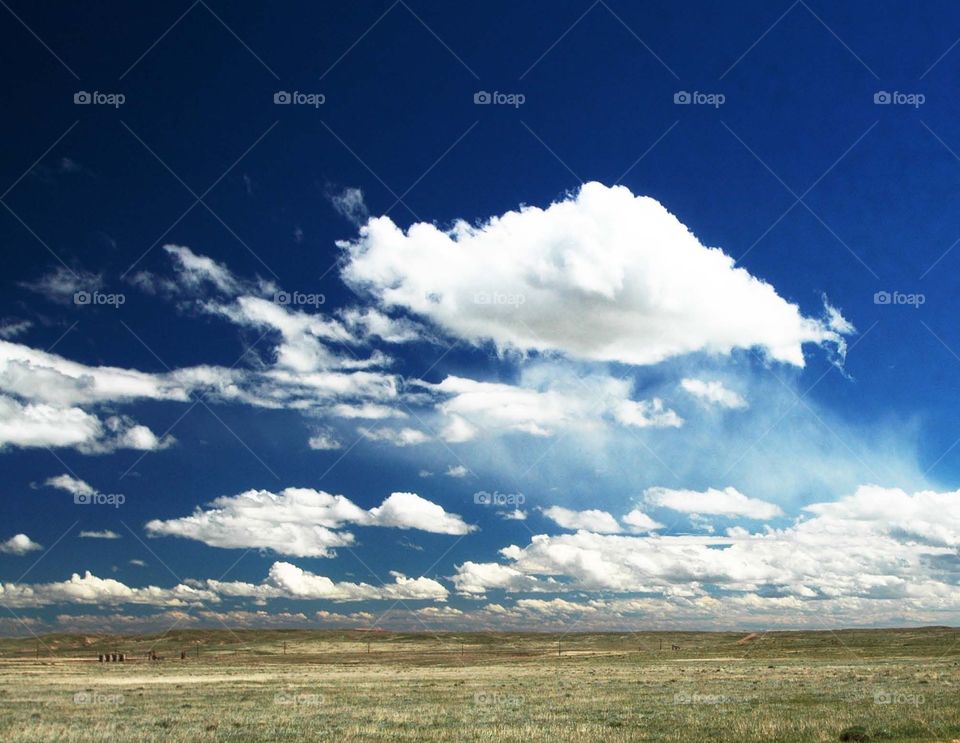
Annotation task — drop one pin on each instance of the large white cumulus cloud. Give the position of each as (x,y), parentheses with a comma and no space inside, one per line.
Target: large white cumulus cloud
(301,521)
(601,275)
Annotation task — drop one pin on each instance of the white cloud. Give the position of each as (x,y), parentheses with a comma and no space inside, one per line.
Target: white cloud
(13,328)
(72,485)
(713,393)
(517,514)
(89,589)
(646,414)
(366,411)
(297,521)
(554,400)
(369,322)
(591,519)
(397,437)
(350,204)
(639,522)
(410,511)
(197,270)
(458,471)
(19,544)
(324,441)
(726,502)
(289,581)
(881,550)
(601,275)
(479,577)
(302,522)
(40,425)
(105,534)
(352,619)
(60,284)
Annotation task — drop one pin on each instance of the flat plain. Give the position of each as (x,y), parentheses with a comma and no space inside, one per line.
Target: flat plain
(320,685)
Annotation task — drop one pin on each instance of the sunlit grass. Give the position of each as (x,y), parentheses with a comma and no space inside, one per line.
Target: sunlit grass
(890,685)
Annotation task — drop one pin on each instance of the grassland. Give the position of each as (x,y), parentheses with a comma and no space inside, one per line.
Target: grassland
(877,685)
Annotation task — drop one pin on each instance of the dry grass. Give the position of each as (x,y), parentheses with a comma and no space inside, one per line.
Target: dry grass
(791,687)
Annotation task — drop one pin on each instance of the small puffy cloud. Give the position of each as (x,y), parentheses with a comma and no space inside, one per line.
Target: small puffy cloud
(72,485)
(517,514)
(637,521)
(713,393)
(398,437)
(410,511)
(457,471)
(19,544)
(591,519)
(138,563)
(302,522)
(105,534)
(727,502)
(324,441)
(646,414)
(601,275)
(479,577)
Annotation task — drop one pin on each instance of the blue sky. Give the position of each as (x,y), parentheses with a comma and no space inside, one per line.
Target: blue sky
(680,295)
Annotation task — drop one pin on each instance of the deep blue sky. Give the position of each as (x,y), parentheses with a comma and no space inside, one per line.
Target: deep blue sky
(799,113)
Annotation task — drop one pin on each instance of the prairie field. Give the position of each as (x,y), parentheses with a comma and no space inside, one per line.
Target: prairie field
(857,685)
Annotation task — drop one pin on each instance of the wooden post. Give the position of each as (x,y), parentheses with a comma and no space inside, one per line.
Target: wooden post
(284,647)
(558,648)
